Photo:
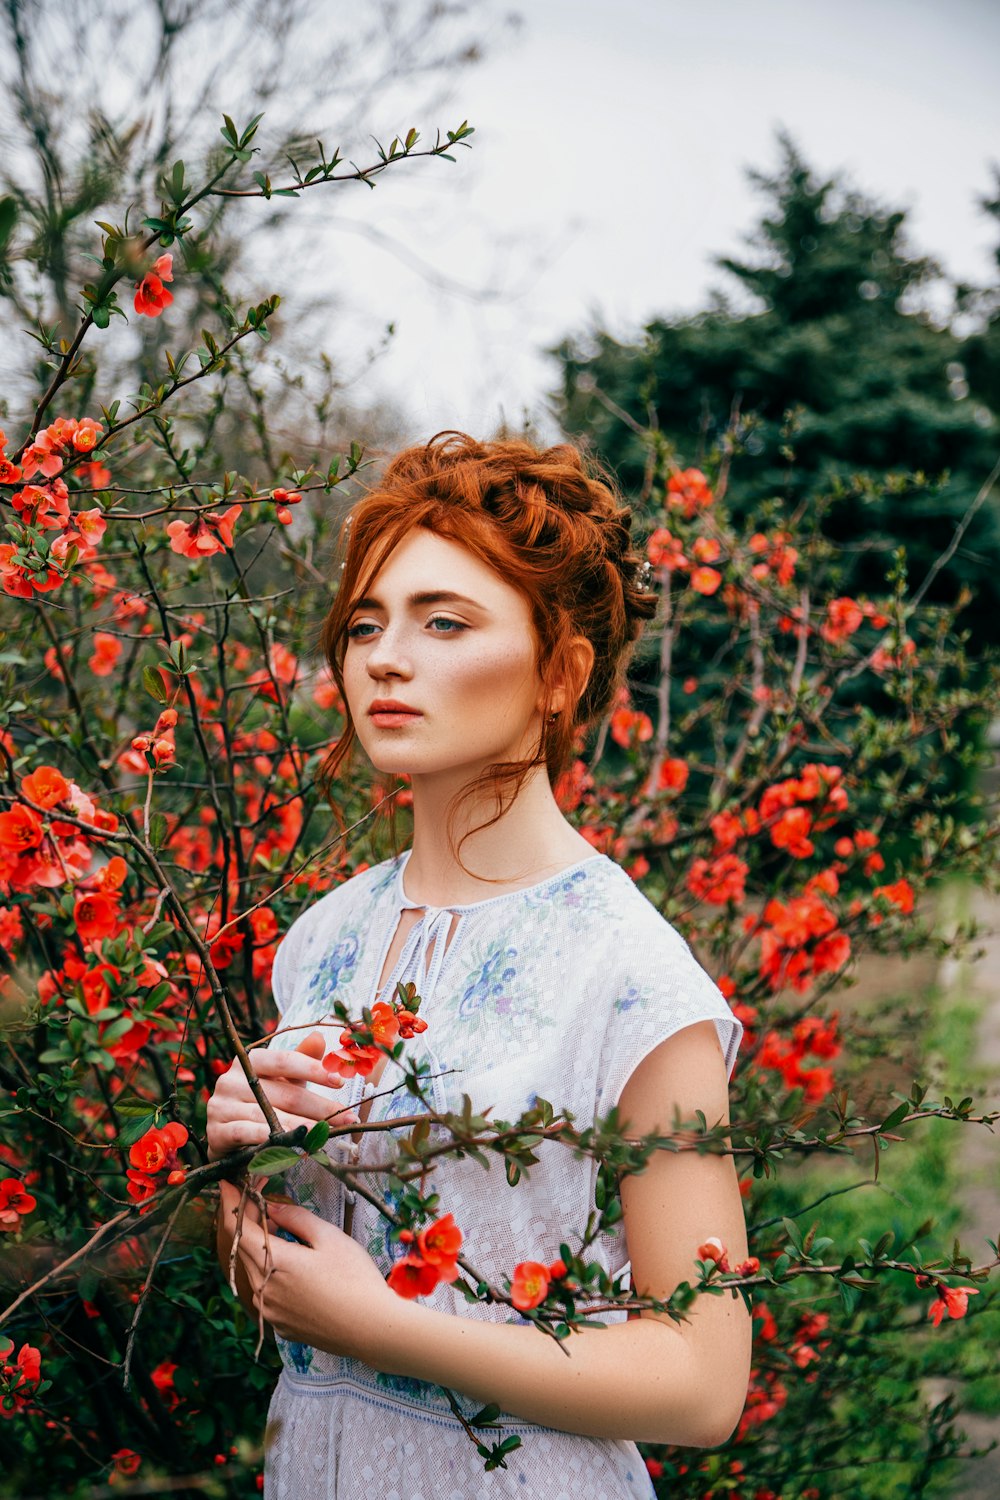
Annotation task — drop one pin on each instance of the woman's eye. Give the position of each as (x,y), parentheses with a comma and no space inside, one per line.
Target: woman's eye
(361,631)
(441,625)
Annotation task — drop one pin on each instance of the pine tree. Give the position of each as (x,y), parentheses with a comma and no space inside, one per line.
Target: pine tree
(842,390)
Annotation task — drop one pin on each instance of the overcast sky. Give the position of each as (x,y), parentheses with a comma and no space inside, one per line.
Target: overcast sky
(608,167)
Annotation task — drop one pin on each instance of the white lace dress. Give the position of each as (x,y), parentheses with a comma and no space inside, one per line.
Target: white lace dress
(559,991)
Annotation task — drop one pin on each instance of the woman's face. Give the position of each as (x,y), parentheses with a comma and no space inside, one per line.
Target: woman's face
(440,670)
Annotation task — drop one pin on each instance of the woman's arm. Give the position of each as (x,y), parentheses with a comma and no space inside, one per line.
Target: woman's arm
(649,1379)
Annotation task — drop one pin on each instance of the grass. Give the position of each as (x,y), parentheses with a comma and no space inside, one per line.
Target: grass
(924,1177)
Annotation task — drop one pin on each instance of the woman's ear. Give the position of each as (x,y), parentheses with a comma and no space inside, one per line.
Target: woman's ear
(570,684)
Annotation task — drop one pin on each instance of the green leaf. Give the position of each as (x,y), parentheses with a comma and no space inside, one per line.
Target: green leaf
(898,1114)
(317,1137)
(158,830)
(485,1416)
(272,1160)
(135,1128)
(848,1295)
(8,219)
(153,683)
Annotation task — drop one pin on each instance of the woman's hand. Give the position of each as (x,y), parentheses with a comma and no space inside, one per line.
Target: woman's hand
(325,1291)
(235,1118)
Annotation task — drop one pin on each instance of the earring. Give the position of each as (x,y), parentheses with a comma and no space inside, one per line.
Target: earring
(553,718)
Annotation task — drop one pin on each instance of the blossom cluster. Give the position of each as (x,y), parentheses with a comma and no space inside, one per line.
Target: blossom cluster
(155,1151)
(362,1044)
(48,852)
(434,1258)
(20,1376)
(50,537)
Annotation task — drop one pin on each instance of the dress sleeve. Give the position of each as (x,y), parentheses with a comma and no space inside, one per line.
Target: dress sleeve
(657,994)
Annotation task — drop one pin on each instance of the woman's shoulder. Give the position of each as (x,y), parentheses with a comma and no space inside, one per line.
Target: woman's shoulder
(601,897)
(626,944)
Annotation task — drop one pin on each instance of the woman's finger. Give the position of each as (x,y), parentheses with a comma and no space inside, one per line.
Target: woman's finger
(274,1062)
(292,1097)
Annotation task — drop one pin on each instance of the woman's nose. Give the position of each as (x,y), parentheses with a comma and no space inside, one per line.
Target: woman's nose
(388,656)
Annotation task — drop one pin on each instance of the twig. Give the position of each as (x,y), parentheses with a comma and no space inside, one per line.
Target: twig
(146,1288)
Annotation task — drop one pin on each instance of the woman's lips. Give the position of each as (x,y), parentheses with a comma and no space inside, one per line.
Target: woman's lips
(393,715)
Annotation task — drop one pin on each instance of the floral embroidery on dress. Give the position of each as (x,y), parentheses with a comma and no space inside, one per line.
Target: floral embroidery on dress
(491,987)
(631,997)
(298,1356)
(333,969)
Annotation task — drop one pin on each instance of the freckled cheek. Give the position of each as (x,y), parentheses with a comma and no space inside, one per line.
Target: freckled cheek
(495,683)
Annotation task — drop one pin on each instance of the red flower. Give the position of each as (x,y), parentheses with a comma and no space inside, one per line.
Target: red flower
(689,491)
(529,1285)
(439,1244)
(673,775)
(629,727)
(790,832)
(107,650)
(899,894)
(46,786)
(14,1202)
(719,880)
(126,1461)
(665,550)
(714,1249)
(411,1276)
(953,1300)
(175,1134)
(283,499)
(150,1151)
(25,1371)
(87,433)
(163,1378)
(361,1056)
(705,580)
(96,986)
(20,828)
(140,1187)
(207,534)
(96,916)
(151,296)
(843,616)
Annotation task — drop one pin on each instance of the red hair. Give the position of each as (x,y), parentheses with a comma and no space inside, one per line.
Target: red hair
(549,525)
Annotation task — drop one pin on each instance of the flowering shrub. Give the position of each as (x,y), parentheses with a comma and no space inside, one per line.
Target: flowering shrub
(164,718)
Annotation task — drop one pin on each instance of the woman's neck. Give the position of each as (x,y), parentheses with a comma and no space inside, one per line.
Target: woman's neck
(531,840)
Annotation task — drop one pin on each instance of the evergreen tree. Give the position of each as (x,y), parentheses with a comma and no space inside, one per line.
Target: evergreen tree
(836,385)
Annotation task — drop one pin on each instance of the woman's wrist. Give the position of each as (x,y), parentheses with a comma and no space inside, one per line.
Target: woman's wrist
(389,1338)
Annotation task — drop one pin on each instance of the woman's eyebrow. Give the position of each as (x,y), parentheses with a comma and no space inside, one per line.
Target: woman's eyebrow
(428,596)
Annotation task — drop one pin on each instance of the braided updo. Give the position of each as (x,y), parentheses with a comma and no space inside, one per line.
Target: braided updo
(548,525)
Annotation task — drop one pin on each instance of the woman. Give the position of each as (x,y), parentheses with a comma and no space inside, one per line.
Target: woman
(488,603)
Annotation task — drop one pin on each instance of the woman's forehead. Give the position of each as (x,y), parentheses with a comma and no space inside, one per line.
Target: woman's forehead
(424,563)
